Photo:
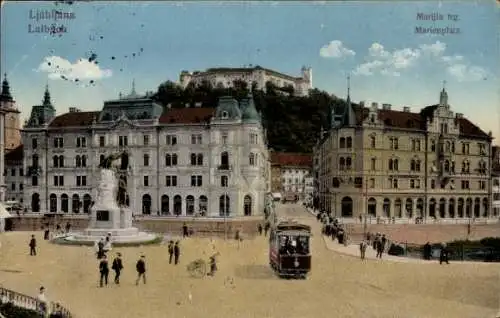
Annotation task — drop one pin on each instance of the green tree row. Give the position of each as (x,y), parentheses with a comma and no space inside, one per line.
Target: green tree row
(293,123)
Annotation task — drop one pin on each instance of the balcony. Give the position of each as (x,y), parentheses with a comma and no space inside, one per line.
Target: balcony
(225,167)
(34,171)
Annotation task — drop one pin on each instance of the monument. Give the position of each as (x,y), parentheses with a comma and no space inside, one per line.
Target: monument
(110,215)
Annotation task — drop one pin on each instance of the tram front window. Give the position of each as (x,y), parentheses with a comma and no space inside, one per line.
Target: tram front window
(294,245)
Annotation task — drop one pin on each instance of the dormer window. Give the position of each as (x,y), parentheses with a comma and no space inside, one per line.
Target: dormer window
(225,115)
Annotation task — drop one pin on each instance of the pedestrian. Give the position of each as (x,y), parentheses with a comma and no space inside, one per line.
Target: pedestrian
(380,244)
(32,246)
(259,228)
(117,266)
(362,248)
(100,248)
(177,252)
(267,226)
(104,271)
(141,269)
(68,227)
(443,255)
(185,232)
(213,264)
(42,302)
(427,251)
(46,233)
(170,251)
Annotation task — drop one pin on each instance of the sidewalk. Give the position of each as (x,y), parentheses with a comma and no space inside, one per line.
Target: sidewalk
(353,250)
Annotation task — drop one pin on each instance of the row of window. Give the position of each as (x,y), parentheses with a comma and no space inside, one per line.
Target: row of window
(171,140)
(415,165)
(416,145)
(416,184)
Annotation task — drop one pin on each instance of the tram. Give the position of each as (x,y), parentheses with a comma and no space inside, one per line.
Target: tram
(289,249)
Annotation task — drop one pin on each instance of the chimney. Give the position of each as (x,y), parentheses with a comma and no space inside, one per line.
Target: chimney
(74,110)
(406,109)
(386,106)
(197,104)
(459,115)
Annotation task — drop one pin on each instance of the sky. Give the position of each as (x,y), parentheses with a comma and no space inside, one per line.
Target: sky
(151,42)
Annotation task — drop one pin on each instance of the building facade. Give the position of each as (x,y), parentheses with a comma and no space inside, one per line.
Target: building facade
(226,76)
(189,161)
(495,181)
(14,175)
(388,163)
(290,171)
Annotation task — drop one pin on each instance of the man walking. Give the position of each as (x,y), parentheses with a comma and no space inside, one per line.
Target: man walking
(185,232)
(177,253)
(443,255)
(362,247)
(32,246)
(170,251)
(141,270)
(104,270)
(117,266)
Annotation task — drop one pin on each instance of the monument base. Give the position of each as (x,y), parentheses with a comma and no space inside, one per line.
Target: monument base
(118,236)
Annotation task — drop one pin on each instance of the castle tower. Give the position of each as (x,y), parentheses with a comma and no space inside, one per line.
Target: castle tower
(12,133)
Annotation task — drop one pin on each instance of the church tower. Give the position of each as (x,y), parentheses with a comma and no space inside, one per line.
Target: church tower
(11,128)
(42,114)
(443,96)
(349,115)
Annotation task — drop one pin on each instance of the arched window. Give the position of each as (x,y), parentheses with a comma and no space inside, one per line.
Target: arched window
(387,207)
(84,161)
(165,205)
(87,202)
(64,203)
(55,161)
(409,208)
(342,142)
(442,208)
(420,207)
(35,202)
(247,205)
(203,205)
(224,159)
(75,203)
(78,161)
(432,208)
(451,208)
(346,207)
(460,208)
(224,205)
(485,207)
(372,207)
(251,159)
(177,205)
(397,208)
(477,207)
(146,204)
(53,203)
(189,205)
(348,142)
(61,161)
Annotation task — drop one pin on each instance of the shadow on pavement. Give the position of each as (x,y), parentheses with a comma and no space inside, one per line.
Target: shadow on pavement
(5,270)
(255,271)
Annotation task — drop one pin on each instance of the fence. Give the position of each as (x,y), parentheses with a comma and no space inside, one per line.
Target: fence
(31,303)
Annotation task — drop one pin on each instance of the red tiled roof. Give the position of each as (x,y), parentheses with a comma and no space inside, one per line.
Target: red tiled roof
(291,159)
(74,119)
(15,154)
(187,115)
(409,120)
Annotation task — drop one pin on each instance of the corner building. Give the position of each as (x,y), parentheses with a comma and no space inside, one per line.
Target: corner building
(388,163)
(189,161)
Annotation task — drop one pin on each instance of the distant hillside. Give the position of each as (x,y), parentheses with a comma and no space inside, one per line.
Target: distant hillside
(293,123)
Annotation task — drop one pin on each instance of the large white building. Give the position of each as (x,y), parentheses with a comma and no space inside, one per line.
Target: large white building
(226,76)
(180,161)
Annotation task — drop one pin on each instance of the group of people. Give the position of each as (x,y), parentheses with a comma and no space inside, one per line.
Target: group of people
(332,227)
(377,241)
(444,253)
(264,229)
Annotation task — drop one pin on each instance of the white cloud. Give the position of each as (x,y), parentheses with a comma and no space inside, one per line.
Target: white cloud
(335,49)
(435,49)
(467,73)
(57,67)
(384,62)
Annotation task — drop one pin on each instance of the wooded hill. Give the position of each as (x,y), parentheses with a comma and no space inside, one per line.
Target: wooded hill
(293,123)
